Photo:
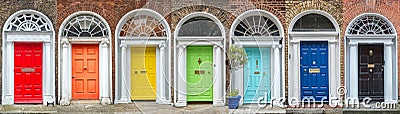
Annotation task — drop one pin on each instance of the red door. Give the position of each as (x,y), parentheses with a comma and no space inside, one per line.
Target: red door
(28,72)
(85,71)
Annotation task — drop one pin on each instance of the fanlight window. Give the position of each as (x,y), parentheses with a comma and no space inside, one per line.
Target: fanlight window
(370,25)
(85,26)
(313,23)
(256,26)
(199,26)
(143,26)
(28,22)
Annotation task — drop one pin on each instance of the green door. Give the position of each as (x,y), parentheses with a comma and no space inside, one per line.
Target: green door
(199,72)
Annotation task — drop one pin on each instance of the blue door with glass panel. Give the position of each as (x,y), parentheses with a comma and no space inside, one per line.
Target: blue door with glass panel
(257,75)
(314,70)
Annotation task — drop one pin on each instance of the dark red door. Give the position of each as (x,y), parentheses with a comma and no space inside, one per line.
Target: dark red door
(370,75)
(28,72)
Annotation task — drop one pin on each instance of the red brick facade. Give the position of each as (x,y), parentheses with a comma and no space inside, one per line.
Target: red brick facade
(344,11)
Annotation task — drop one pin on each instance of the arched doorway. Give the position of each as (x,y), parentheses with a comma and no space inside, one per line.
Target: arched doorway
(260,33)
(84,58)
(313,53)
(370,60)
(143,37)
(199,65)
(28,59)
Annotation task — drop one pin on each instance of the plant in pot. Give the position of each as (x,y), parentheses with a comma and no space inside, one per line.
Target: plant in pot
(234,99)
(238,58)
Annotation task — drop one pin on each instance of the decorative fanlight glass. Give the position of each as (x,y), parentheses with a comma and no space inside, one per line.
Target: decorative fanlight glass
(85,26)
(369,25)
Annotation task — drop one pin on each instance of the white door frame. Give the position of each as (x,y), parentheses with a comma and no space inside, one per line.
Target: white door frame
(65,61)
(390,57)
(48,65)
(294,55)
(219,75)
(277,68)
(122,58)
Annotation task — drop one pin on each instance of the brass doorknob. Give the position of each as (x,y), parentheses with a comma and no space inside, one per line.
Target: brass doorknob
(84,67)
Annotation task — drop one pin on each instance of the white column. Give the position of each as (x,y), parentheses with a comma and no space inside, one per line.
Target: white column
(294,85)
(277,73)
(161,94)
(65,82)
(218,85)
(9,95)
(124,86)
(104,72)
(333,78)
(353,85)
(388,77)
(47,78)
(181,77)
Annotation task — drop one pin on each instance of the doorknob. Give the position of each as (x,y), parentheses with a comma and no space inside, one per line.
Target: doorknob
(84,67)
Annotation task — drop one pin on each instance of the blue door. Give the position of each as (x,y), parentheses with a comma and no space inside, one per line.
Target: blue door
(314,70)
(257,75)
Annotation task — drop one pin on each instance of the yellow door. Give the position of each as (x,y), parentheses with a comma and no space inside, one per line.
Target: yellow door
(143,73)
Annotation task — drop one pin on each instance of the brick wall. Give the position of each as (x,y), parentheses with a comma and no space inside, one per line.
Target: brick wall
(387,8)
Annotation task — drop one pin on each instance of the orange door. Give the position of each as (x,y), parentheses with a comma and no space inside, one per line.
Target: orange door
(85,71)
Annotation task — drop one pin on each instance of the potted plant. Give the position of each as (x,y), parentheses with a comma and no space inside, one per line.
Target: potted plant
(238,58)
(234,99)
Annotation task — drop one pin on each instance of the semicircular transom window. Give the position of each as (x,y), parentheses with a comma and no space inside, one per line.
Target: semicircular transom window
(28,22)
(143,26)
(256,26)
(85,26)
(370,25)
(313,23)
(199,26)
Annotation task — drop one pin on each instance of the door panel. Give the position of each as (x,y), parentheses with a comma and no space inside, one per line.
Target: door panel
(28,72)
(257,75)
(370,75)
(314,70)
(143,73)
(85,71)
(199,73)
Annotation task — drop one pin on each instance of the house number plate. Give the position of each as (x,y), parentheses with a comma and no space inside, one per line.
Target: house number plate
(28,70)
(314,70)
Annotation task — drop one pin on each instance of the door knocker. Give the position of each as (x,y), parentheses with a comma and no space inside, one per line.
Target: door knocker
(371,52)
(199,61)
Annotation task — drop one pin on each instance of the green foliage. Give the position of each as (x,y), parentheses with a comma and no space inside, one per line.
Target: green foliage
(237,56)
(234,93)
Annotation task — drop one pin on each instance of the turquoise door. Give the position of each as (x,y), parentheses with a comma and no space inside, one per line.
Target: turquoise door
(257,75)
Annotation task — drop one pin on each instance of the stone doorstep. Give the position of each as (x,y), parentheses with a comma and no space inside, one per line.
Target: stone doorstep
(92,102)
